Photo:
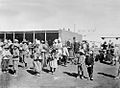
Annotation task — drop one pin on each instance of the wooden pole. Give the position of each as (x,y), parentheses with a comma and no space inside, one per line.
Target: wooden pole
(4,36)
(33,37)
(45,36)
(24,36)
(13,36)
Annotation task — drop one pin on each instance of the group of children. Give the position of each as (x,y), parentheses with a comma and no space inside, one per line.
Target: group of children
(85,58)
(42,55)
(9,52)
(39,52)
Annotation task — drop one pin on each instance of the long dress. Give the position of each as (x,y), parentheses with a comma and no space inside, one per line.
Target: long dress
(53,61)
(37,63)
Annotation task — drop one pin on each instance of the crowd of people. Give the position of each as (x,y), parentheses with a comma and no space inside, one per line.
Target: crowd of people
(110,52)
(42,55)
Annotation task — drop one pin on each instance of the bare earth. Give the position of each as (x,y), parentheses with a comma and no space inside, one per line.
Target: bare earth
(65,77)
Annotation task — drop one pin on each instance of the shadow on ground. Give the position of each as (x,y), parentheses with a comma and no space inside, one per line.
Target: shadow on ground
(5,80)
(46,70)
(32,72)
(21,66)
(108,75)
(11,71)
(105,62)
(71,74)
(74,74)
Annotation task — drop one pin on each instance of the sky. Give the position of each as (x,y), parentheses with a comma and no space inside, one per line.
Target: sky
(102,16)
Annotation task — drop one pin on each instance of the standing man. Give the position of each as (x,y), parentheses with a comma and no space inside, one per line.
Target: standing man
(65,54)
(104,46)
(59,51)
(44,51)
(1,50)
(25,52)
(76,47)
(117,59)
(116,54)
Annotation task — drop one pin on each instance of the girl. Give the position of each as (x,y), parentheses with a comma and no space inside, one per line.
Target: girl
(53,61)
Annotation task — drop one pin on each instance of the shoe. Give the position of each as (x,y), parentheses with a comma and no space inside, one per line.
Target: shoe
(91,79)
(25,64)
(4,71)
(38,74)
(65,65)
(116,77)
(15,75)
(7,71)
(88,78)
(81,77)
(77,77)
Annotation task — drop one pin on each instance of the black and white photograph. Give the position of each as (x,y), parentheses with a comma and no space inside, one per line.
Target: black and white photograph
(59,43)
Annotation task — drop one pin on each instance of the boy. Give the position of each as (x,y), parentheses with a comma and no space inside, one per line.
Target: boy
(15,59)
(80,62)
(89,61)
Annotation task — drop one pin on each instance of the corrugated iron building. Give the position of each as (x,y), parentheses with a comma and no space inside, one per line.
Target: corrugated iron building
(41,34)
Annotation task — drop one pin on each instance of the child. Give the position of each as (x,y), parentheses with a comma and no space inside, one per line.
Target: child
(15,59)
(5,58)
(80,62)
(53,61)
(89,61)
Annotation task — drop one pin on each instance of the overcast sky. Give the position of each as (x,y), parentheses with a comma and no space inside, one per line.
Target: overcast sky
(102,15)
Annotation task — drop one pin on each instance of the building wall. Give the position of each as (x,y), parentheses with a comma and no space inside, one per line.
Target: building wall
(68,35)
(48,35)
(112,39)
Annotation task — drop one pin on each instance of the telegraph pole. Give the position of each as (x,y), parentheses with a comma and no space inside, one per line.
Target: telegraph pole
(74,27)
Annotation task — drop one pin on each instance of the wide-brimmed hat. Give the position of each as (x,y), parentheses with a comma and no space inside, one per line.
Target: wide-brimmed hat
(25,41)
(56,40)
(16,40)
(5,41)
(42,41)
(6,47)
(38,42)
(15,45)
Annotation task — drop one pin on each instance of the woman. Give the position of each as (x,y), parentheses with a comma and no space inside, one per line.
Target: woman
(6,55)
(37,63)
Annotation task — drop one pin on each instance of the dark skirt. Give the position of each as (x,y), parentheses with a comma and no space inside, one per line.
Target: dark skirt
(5,64)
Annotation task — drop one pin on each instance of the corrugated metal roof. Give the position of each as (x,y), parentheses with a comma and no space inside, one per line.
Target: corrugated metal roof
(5,30)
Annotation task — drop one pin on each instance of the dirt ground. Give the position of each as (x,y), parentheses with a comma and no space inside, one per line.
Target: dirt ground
(65,77)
